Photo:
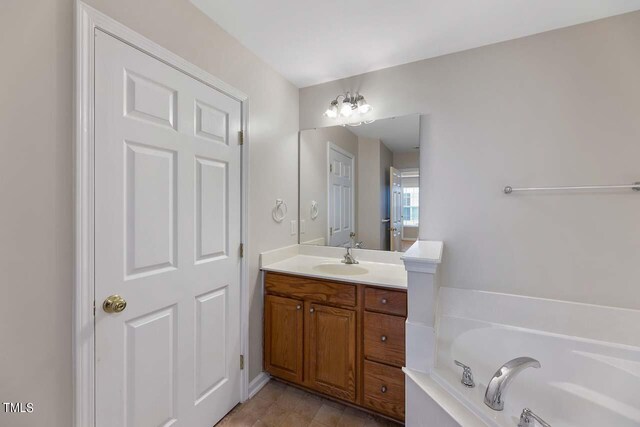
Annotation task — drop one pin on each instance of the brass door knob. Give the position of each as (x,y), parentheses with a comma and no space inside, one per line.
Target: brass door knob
(383,389)
(114,304)
(383,338)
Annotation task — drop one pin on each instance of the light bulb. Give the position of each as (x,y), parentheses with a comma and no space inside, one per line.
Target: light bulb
(363,105)
(346,109)
(364,108)
(332,111)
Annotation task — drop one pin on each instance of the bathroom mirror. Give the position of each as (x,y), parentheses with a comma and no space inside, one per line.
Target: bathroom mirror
(359,185)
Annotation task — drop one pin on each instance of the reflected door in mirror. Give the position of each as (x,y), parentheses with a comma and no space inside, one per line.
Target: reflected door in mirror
(340,195)
(395,230)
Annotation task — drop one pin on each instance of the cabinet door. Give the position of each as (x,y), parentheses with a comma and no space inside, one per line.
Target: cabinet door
(283,337)
(332,351)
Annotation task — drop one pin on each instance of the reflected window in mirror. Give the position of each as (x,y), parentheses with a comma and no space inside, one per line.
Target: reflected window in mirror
(410,206)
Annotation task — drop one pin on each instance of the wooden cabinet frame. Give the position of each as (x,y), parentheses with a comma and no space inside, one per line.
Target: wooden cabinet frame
(334,312)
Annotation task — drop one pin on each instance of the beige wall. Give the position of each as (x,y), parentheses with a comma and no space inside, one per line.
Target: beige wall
(374,158)
(36,217)
(551,109)
(406,160)
(36,231)
(409,233)
(313,175)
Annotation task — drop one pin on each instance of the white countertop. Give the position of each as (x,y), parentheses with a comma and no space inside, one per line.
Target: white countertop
(379,273)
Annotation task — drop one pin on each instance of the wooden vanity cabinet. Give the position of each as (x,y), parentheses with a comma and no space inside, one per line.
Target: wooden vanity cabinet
(339,339)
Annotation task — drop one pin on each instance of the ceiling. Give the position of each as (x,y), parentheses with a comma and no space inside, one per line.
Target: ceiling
(399,134)
(311,42)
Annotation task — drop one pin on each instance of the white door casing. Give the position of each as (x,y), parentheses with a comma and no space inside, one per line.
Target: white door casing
(167,232)
(395,223)
(340,198)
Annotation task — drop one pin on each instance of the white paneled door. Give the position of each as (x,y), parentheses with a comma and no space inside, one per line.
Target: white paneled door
(395,196)
(167,234)
(340,200)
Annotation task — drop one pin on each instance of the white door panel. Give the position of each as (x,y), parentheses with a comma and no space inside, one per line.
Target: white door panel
(396,224)
(340,195)
(167,221)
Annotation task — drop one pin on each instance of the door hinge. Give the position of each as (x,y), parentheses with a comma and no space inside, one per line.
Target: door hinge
(330,168)
(241,250)
(241,361)
(330,231)
(94,308)
(240,137)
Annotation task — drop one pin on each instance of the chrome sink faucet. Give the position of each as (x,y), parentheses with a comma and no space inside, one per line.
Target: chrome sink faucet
(349,258)
(493,397)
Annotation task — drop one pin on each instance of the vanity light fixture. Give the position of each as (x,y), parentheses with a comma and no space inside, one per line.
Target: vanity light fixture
(351,106)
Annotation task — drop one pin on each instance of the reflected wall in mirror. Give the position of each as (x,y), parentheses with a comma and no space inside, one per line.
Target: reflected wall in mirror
(359,186)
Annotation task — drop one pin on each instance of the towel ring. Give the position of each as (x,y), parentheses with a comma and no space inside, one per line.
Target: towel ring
(314,209)
(279,212)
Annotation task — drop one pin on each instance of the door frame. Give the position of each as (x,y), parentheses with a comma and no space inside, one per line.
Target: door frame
(335,147)
(87,21)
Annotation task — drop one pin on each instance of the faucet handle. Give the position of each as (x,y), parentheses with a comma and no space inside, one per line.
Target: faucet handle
(462,365)
(467,375)
(528,419)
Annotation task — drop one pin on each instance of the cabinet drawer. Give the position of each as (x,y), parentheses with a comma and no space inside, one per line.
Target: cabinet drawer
(384,338)
(311,289)
(385,301)
(384,389)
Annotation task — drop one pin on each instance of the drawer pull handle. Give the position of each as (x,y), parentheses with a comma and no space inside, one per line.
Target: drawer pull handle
(298,307)
(383,300)
(383,389)
(383,338)
(311,310)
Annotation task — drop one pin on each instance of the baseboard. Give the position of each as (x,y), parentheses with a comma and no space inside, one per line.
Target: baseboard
(257,383)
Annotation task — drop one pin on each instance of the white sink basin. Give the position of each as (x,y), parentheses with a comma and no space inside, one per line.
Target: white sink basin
(340,269)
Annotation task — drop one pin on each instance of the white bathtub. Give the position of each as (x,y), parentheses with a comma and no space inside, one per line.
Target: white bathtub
(590,358)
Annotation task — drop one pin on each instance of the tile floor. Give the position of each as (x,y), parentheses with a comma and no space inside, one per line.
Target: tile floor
(280,405)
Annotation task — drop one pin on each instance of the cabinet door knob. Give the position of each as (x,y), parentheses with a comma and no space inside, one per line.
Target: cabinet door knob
(383,389)
(298,307)
(311,310)
(383,338)
(383,300)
